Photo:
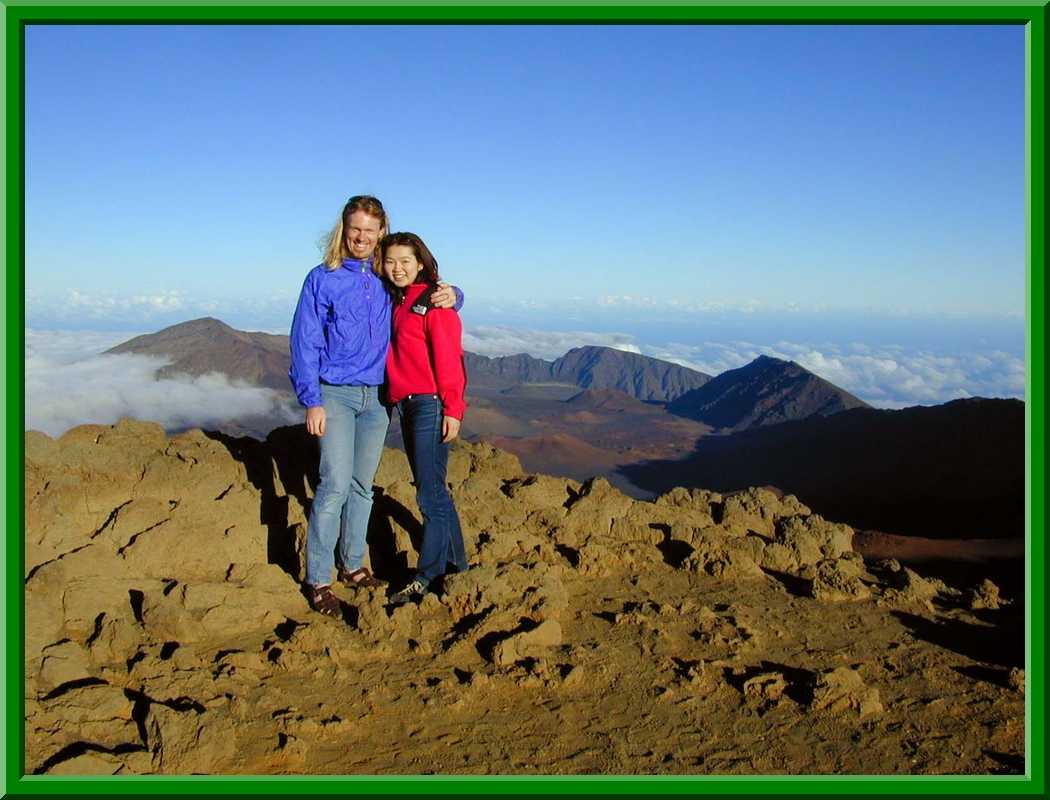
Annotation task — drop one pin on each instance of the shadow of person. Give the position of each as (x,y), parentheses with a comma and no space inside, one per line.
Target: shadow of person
(296,459)
(290,455)
(388,563)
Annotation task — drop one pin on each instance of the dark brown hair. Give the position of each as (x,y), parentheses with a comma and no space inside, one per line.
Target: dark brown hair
(336,249)
(428,273)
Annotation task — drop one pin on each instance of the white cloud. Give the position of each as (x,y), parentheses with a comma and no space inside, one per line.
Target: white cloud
(65,347)
(610,302)
(68,382)
(891,376)
(78,308)
(887,377)
(499,341)
(167,301)
(107,304)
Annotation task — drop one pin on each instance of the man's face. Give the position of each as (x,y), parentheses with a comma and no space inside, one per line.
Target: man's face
(362,234)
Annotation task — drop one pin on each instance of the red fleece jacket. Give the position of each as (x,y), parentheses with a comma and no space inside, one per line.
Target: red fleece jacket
(426,354)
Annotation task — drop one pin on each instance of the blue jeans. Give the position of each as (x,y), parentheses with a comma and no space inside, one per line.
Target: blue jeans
(355,427)
(421,419)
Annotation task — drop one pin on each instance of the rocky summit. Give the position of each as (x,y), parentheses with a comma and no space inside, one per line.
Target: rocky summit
(701,633)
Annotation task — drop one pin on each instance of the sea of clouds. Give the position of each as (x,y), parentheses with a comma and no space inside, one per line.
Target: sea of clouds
(70,380)
(888,376)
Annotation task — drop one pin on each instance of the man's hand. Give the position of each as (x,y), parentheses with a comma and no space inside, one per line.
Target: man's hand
(315,421)
(450,429)
(443,297)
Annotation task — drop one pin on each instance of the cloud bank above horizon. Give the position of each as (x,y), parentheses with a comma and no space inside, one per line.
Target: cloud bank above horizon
(888,376)
(70,381)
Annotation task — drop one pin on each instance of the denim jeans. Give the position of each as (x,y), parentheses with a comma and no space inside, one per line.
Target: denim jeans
(421,419)
(355,427)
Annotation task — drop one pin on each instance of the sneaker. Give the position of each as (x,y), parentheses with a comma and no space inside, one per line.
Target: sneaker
(416,589)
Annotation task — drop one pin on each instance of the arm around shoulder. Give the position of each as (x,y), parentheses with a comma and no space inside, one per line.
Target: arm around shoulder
(446,296)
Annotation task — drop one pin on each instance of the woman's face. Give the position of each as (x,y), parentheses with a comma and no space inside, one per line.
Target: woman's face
(400,265)
(362,234)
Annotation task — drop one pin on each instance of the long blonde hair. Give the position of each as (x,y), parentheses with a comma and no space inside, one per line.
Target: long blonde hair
(336,250)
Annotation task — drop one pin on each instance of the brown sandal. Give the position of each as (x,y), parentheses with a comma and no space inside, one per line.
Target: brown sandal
(360,577)
(323,601)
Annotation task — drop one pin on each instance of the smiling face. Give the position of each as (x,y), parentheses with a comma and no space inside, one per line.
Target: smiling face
(362,233)
(400,265)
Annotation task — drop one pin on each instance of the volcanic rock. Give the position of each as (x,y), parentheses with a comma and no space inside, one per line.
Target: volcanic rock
(842,689)
(839,579)
(528,643)
(167,633)
(912,589)
(1016,679)
(985,596)
(767,687)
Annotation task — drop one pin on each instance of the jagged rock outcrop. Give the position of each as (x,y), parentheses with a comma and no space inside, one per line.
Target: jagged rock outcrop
(166,631)
(842,689)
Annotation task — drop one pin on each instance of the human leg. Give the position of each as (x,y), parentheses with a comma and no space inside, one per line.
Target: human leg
(421,419)
(326,512)
(457,549)
(371,420)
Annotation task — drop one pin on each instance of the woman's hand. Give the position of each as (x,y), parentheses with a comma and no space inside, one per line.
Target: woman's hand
(450,429)
(315,420)
(444,296)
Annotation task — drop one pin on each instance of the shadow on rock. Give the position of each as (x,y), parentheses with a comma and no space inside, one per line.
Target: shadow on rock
(387,562)
(290,452)
(674,551)
(1007,574)
(1001,644)
(288,460)
(997,677)
(296,456)
(799,682)
(1009,764)
(799,587)
(919,471)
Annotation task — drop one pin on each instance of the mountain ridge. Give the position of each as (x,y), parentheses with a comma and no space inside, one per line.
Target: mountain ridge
(207,344)
(645,378)
(766,391)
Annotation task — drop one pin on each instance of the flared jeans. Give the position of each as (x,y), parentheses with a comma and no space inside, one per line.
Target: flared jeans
(421,421)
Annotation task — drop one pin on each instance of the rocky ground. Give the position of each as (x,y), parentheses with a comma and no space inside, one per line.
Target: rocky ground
(700,633)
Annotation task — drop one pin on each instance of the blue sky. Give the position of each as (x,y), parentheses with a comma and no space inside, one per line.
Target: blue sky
(672,184)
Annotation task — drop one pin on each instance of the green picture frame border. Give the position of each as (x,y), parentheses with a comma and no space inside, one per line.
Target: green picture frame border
(16,14)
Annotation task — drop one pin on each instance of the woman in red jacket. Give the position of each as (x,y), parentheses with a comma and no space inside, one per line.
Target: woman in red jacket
(426,380)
